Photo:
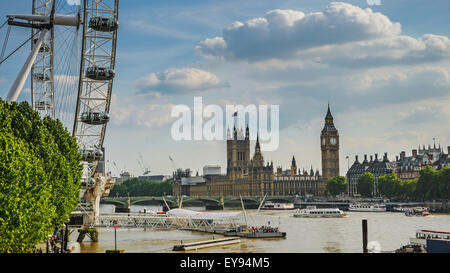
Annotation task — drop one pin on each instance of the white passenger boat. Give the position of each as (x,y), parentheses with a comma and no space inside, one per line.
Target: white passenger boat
(400,209)
(418,211)
(423,234)
(313,212)
(277,206)
(367,207)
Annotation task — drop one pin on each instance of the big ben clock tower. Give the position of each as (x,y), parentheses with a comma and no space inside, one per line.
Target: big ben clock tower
(329,140)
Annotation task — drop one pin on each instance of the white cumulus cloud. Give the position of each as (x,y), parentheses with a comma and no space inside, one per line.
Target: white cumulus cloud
(281,33)
(178,81)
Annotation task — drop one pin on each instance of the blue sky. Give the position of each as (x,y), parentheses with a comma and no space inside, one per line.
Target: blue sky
(385,72)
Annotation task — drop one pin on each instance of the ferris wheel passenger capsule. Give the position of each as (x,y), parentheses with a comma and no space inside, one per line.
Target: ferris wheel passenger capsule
(102,23)
(91,154)
(98,153)
(41,105)
(39,76)
(99,73)
(94,118)
(44,47)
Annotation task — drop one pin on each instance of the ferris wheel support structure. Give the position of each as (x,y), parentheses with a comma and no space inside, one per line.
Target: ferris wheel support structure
(17,86)
(46,24)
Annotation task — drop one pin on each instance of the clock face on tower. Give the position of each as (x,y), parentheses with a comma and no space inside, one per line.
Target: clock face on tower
(333,140)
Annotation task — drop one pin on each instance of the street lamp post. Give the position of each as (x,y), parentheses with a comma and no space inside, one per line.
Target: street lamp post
(348,168)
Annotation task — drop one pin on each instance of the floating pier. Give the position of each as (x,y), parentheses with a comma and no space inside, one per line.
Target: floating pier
(258,234)
(240,232)
(204,244)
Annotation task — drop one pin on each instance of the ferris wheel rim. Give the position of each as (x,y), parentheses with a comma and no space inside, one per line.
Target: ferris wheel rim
(93,37)
(33,81)
(84,82)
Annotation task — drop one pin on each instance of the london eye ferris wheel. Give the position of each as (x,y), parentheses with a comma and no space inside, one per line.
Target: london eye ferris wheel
(71,67)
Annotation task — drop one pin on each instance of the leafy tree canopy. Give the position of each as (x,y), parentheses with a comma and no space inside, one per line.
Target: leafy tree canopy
(336,185)
(43,154)
(136,187)
(365,184)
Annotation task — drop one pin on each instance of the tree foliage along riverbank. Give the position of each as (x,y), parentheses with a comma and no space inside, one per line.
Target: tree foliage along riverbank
(336,185)
(136,187)
(40,174)
(431,185)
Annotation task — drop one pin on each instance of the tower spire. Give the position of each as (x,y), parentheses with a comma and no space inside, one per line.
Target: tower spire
(257,147)
(329,116)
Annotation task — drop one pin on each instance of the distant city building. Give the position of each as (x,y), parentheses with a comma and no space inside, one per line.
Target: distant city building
(124,176)
(189,185)
(378,167)
(443,161)
(301,183)
(211,170)
(405,167)
(155,178)
(252,176)
(180,173)
(408,167)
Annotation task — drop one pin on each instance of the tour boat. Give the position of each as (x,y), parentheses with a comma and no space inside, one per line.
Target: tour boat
(277,206)
(400,209)
(422,235)
(313,212)
(367,207)
(429,241)
(418,211)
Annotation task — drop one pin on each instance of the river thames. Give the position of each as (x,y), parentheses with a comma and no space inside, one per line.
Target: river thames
(386,230)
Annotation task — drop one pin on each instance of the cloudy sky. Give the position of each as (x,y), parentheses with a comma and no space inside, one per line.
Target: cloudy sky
(383,68)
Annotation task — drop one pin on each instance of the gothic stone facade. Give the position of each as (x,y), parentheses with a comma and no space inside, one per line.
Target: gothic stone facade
(329,140)
(248,176)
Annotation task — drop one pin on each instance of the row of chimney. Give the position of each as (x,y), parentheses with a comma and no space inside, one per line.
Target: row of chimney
(371,158)
(402,156)
(414,153)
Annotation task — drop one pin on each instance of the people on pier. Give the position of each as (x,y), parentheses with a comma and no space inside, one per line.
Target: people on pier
(265,229)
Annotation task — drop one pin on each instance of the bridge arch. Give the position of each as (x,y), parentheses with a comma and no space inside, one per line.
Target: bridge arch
(153,200)
(121,203)
(248,200)
(203,201)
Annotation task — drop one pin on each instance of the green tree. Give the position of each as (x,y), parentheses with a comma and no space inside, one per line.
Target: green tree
(136,187)
(389,185)
(57,150)
(67,170)
(54,150)
(365,184)
(427,188)
(444,184)
(336,185)
(408,188)
(26,212)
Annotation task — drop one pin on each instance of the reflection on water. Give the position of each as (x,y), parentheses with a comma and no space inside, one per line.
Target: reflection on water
(304,235)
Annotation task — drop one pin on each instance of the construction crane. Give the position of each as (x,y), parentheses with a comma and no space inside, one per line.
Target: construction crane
(115,165)
(140,160)
(173,163)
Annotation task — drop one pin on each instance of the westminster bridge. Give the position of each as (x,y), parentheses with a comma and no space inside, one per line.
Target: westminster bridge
(211,202)
(123,204)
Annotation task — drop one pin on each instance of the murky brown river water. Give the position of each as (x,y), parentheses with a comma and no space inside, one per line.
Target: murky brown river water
(304,235)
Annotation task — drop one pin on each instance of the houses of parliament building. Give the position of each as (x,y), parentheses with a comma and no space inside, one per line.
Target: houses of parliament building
(252,176)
